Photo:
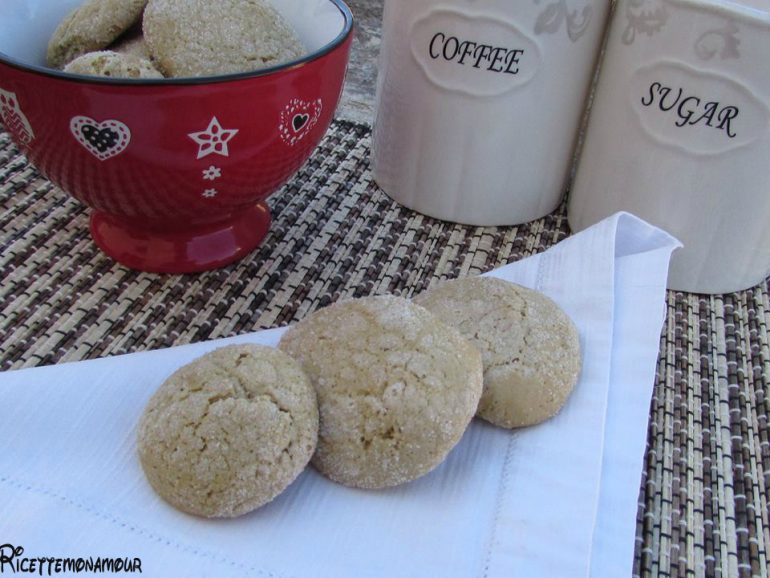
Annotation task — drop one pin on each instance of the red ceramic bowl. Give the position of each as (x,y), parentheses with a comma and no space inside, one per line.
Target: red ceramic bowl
(175,171)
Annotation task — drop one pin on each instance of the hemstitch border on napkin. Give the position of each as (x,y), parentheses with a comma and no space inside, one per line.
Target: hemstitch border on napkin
(136,529)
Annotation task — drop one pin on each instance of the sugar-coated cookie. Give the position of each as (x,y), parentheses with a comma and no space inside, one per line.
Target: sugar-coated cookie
(530,347)
(228,432)
(92,26)
(204,37)
(396,388)
(113,64)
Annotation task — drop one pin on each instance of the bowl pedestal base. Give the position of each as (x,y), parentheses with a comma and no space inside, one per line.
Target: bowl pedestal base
(190,250)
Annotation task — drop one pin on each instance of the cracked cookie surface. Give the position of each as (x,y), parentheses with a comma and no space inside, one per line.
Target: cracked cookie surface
(191,38)
(396,388)
(92,26)
(529,346)
(228,432)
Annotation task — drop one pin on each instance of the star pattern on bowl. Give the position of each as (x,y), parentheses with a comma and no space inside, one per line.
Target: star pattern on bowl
(213,140)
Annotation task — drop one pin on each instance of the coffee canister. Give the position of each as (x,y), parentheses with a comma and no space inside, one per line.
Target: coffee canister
(479,103)
(679,134)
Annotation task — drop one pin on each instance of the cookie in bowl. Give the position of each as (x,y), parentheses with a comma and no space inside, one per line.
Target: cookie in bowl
(112,64)
(191,38)
(92,26)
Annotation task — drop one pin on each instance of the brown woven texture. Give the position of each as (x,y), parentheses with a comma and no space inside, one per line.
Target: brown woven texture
(703,504)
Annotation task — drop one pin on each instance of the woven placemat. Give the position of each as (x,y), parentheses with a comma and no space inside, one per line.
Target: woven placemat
(703,506)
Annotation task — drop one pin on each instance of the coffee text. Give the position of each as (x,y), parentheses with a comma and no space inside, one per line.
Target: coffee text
(469,53)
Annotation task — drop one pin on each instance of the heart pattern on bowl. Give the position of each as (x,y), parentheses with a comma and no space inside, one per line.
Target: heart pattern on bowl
(298,118)
(104,139)
(299,121)
(14,118)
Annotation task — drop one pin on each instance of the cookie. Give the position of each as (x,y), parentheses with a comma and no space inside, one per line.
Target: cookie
(396,388)
(112,64)
(205,37)
(530,347)
(132,43)
(92,26)
(228,432)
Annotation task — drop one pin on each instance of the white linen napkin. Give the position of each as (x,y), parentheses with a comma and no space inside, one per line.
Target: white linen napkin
(558,499)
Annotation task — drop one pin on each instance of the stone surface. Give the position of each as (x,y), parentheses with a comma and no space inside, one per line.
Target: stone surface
(357,102)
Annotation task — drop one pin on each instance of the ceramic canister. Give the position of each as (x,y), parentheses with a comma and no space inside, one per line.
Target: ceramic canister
(679,134)
(479,103)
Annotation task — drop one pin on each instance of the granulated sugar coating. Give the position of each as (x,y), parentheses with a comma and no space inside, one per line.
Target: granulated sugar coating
(530,347)
(396,388)
(228,432)
(92,26)
(114,65)
(206,37)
